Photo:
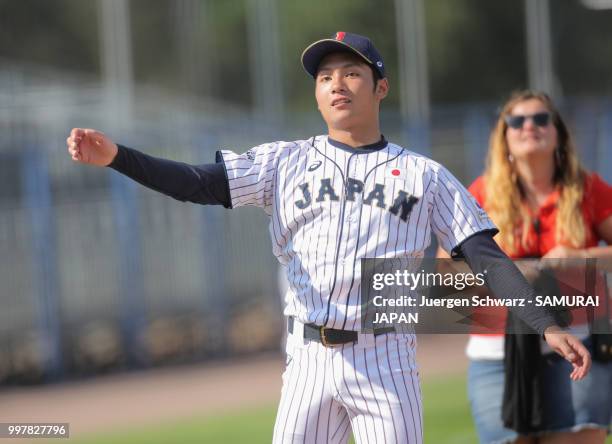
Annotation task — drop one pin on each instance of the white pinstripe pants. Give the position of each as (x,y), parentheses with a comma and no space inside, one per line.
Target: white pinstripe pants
(371,387)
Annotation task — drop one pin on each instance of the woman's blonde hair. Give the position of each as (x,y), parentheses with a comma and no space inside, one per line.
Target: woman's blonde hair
(505,195)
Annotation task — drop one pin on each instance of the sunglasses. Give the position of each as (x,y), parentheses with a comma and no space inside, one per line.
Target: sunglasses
(517,121)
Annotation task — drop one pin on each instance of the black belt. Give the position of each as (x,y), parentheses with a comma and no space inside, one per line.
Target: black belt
(331,337)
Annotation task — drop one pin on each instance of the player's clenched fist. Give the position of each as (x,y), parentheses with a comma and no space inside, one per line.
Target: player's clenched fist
(91,146)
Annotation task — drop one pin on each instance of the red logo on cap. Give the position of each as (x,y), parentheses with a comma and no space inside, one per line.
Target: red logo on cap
(340,36)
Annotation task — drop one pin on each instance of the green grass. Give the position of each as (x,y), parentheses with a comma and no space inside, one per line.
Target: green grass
(245,426)
(446,416)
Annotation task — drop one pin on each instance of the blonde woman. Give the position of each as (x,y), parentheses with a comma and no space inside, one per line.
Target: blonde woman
(545,205)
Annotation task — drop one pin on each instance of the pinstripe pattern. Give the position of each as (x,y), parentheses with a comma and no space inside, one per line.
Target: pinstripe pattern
(373,390)
(329,207)
(321,234)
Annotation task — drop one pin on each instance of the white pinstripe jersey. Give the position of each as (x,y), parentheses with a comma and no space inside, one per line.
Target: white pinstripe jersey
(331,205)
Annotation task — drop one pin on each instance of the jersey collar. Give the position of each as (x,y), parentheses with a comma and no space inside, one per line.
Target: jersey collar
(372,147)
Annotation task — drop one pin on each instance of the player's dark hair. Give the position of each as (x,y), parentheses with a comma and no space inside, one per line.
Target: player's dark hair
(375,76)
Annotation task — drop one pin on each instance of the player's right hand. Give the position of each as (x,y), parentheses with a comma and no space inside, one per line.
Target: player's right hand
(91,147)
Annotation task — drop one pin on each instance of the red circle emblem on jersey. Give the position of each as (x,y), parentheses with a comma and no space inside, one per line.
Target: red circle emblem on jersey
(396,172)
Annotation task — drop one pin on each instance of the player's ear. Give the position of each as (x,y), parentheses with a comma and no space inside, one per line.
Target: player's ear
(382,88)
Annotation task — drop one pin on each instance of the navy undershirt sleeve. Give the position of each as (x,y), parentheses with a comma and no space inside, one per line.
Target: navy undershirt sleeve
(504,279)
(204,184)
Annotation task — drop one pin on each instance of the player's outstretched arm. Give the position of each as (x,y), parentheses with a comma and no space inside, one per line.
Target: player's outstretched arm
(204,184)
(483,255)
(91,146)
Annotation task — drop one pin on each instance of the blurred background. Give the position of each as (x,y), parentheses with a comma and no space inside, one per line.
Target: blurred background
(101,276)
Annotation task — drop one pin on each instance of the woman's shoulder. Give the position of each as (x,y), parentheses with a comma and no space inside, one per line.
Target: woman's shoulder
(594,184)
(597,198)
(477,188)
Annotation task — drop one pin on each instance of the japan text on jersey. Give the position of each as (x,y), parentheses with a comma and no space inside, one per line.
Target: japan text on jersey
(331,205)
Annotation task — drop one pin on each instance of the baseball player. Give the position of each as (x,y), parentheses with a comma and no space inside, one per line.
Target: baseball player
(334,199)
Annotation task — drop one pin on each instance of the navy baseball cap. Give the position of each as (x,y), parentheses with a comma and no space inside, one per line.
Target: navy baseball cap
(342,42)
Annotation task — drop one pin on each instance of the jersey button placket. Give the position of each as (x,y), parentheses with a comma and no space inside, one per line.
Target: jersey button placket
(352,213)
(349,238)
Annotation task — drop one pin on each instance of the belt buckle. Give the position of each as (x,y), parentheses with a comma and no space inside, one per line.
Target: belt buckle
(323,338)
